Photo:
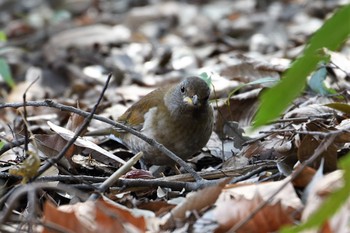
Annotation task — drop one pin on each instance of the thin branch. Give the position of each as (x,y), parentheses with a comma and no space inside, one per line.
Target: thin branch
(323,116)
(252,173)
(116,175)
(316,133)
(26,135)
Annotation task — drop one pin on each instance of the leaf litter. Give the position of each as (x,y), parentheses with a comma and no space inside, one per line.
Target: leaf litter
(242,45)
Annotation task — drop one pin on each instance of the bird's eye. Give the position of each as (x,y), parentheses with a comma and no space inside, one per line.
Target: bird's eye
(182,89)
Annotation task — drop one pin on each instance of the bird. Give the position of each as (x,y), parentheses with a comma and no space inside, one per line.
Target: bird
(178,116)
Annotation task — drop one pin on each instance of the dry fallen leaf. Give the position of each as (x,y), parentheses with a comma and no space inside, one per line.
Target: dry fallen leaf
(91,217)
(268,219)
(236,203)
(304,178)
(82,142)
(307,147)
(321,190)
(194,201)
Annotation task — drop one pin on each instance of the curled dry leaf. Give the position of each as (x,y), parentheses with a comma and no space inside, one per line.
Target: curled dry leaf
(90,217)
(236,204)
(247,71)
(240,108)
(194,201)
(304,178)
(50,145)
(321,190)
(310,143)
(309,111)
(83,37)
(268,219)
(82,142)
(273,147)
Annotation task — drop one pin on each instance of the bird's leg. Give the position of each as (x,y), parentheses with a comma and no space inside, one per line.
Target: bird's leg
(157,171)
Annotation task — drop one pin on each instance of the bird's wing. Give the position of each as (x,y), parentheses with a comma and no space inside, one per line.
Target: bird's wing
(134,116)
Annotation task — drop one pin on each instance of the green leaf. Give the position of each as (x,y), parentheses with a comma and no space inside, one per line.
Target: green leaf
(345,108)
(331,35)
(1,144)
(331,205)
(5,73)
(207,78)
(3,37)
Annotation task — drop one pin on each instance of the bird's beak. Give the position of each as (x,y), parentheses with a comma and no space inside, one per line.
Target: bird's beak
(192,101)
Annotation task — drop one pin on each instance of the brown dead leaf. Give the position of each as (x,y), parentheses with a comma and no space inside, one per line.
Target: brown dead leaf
(157,207)
(304,178)
(194,202)
(113,213)
(319,192)
(74,122)
(265,190)
(82,142)
(273,147)
(307,147)
(241,108)
(83,37)
(268,219)
(310,110)
(248,71)
(52,144)
(91,217)
(36,91)
(60,219)
(236,203)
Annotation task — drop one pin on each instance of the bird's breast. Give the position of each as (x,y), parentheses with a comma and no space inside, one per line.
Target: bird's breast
(183,135)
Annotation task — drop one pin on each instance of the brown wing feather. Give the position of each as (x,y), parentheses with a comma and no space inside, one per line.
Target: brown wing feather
(134,116)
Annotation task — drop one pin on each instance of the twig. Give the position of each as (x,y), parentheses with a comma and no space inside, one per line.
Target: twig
(301,119)
(116,175)
(79,131)
(325,143)
(316,133)
(152,142)
(267,134)
(26,136)
(252,173)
